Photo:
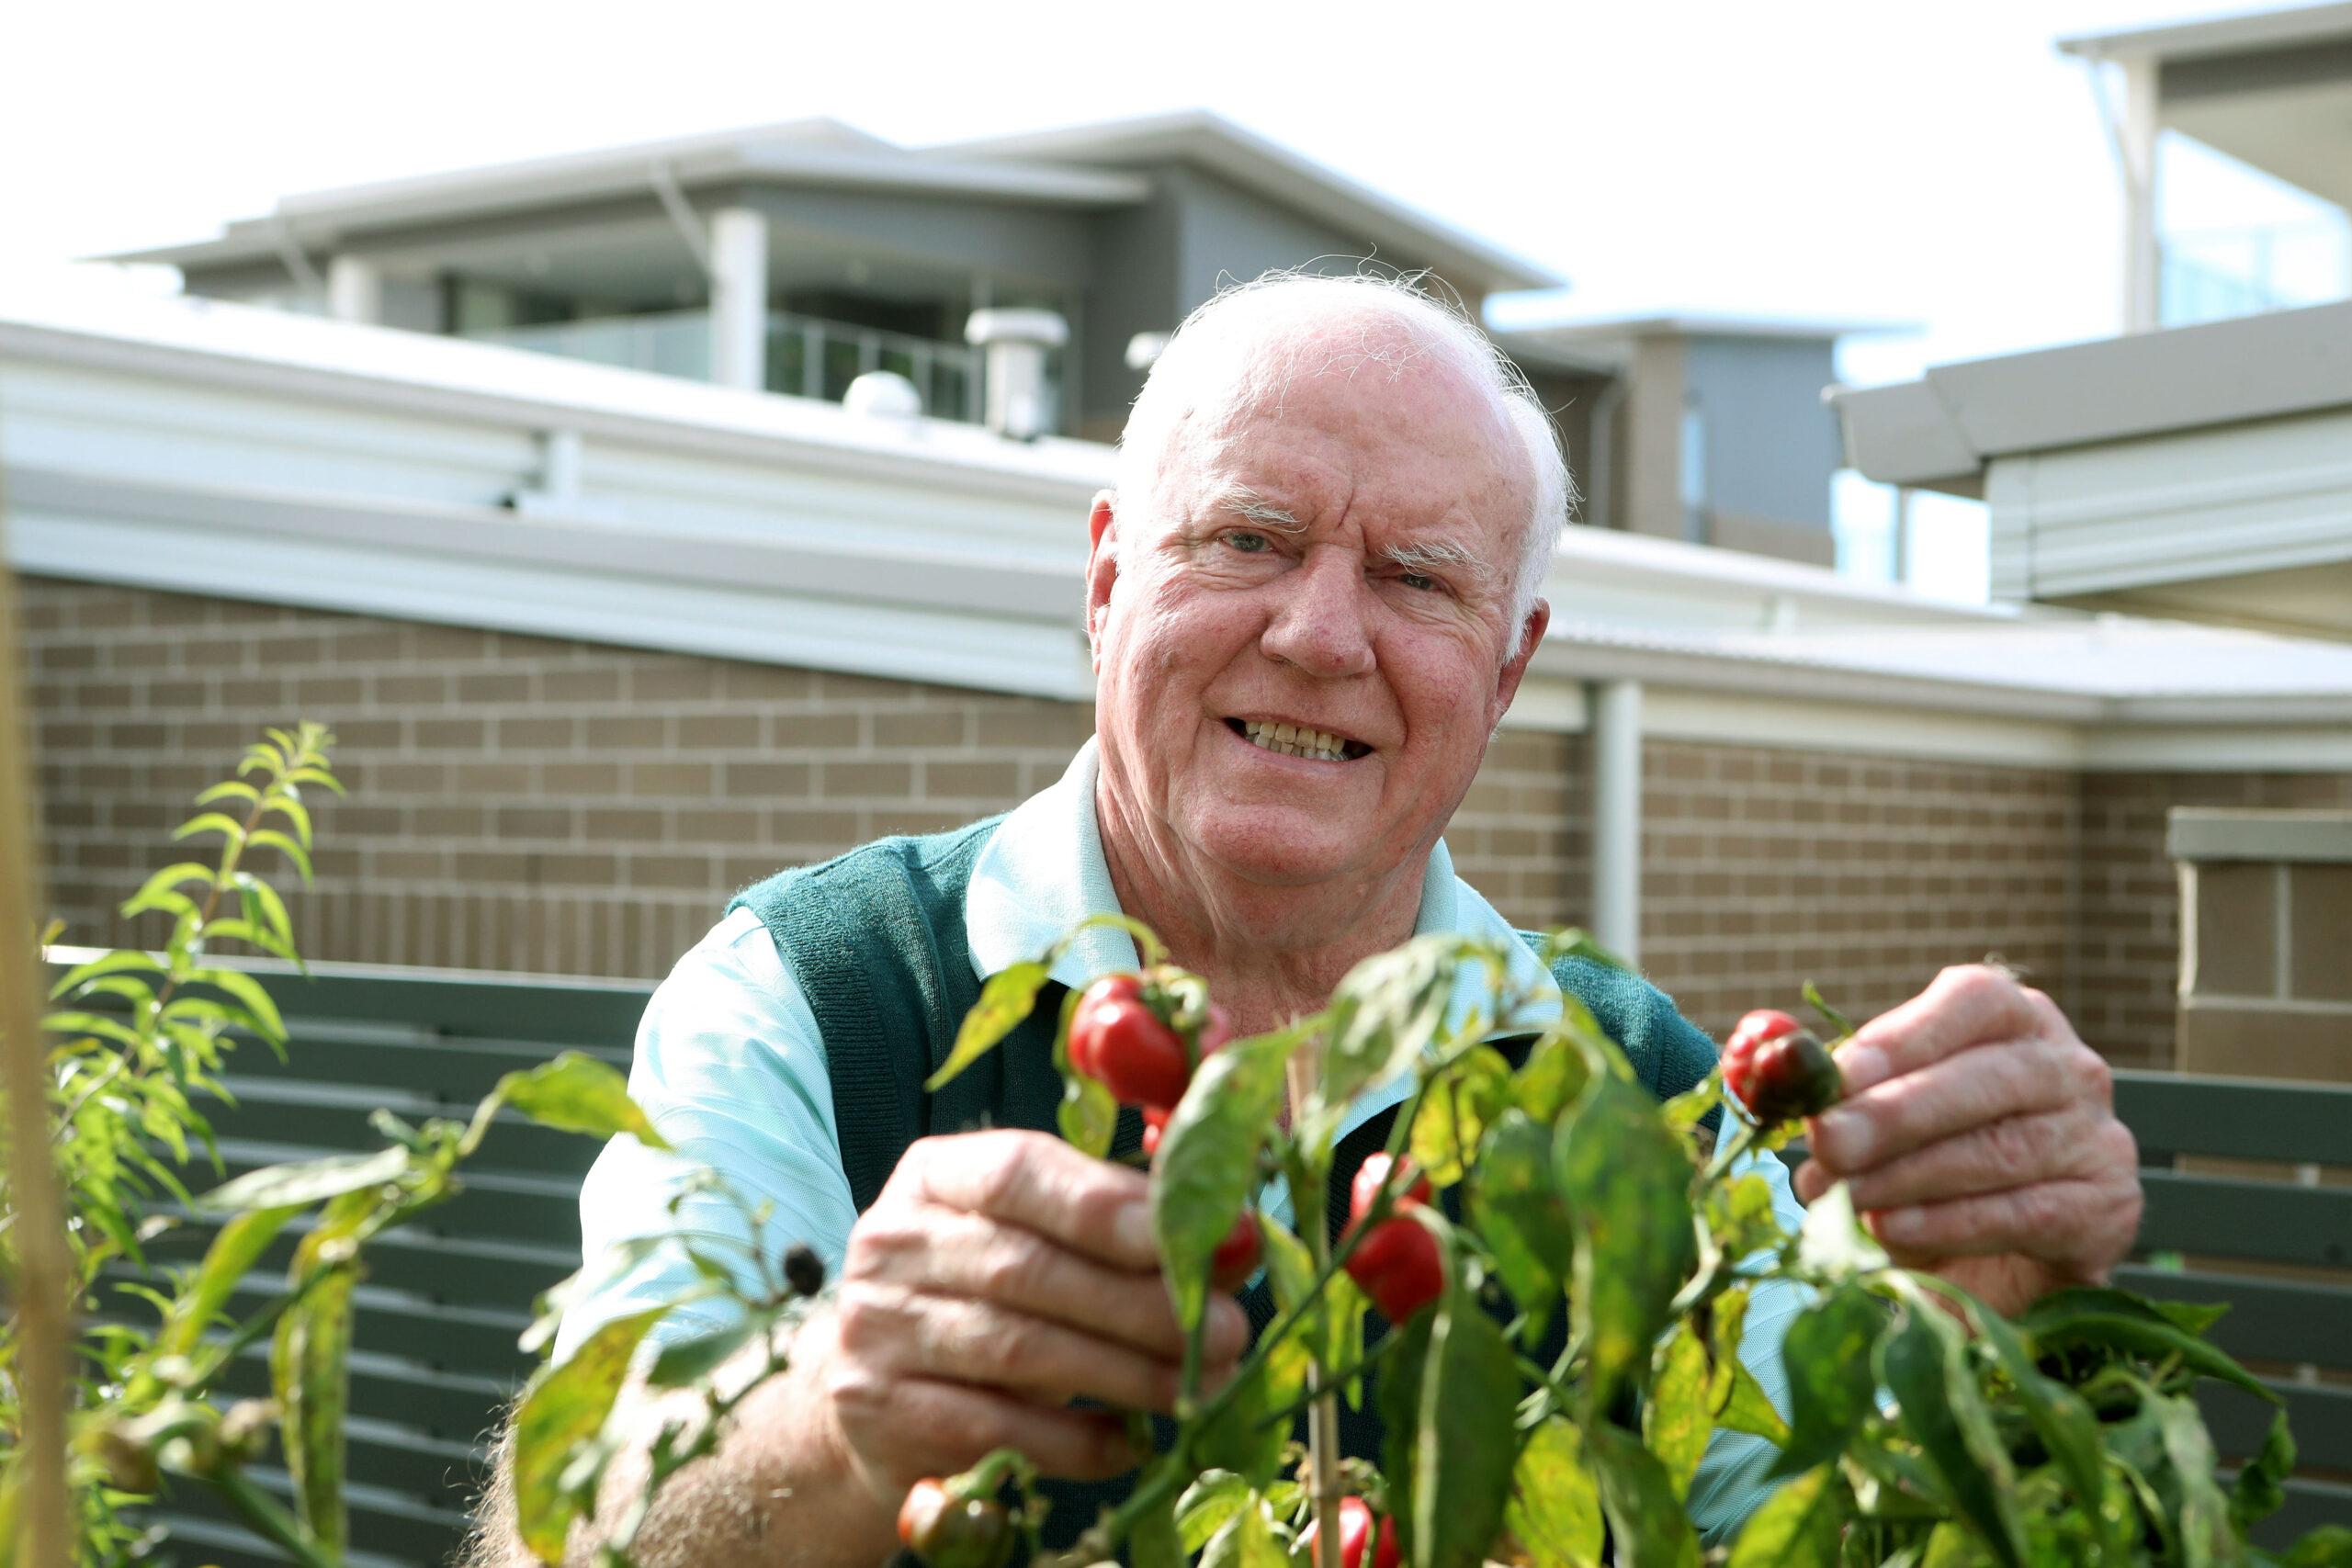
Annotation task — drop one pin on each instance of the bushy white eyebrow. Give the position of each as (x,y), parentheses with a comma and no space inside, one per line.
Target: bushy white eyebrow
(1249,504)
(1429,553)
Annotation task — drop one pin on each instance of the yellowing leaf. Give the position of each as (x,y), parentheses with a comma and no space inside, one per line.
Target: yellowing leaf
(1004,1001)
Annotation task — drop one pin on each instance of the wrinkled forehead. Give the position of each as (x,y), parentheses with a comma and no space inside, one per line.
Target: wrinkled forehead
(1374,396)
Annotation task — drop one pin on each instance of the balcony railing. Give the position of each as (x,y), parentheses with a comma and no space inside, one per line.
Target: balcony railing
(806,356)
(2216,274)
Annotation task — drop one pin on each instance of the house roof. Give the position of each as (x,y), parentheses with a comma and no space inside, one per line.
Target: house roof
(2218,35)
(1083,167)
(1937,432)
(1214,142)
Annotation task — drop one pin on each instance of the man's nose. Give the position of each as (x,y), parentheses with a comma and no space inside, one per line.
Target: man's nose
(1322,623)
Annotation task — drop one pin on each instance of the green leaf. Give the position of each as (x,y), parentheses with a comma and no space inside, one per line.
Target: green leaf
(1152,1539)
(1088,1113)
(306,1181)
(561,1413)
(1626,1177)
(2204,1518)
(684,1362)
(2262,1484)
(1207,1504)
(1245,1541)
(1675,1419)
(2067,1427)
(1457,1110)
(1005,1000)
(1798,1527)
(1924,1362)
(309,1375)
(158,891)
(212,822)
(1383,1013)
(262,901)
(1208,1161)
(1465,1444)
(1242,1437)
(2152,1341)
(1332,1329)
(270,838)
(107,964)
(229,789)
(1831,1385)
(2330,1546)
(1556,1073)
(1836,1021)
(578,1093)
(1516,1208)
(1748,1408)
(1554,1510)
(247,990)
(1832,1241)
(1645,1517)
(287,801)
(235,1249)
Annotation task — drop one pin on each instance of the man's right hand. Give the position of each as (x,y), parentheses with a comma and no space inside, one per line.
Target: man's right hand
(998,1276)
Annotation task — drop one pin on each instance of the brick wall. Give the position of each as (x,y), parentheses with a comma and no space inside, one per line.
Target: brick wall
(1762,869)
(526,803)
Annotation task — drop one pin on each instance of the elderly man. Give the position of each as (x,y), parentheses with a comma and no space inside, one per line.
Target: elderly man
(1311,600)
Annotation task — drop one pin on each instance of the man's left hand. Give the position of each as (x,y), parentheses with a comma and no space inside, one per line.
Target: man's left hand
(1978,1133)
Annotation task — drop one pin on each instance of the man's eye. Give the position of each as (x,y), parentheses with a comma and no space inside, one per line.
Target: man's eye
(1416,580)
(1249,544)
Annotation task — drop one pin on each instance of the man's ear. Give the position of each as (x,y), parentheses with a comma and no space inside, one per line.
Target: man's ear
(1530,639)
(1102,562)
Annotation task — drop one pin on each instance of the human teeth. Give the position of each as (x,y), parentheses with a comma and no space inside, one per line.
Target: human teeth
(1296,740)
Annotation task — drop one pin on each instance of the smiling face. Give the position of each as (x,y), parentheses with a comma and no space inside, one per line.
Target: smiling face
(1303,634)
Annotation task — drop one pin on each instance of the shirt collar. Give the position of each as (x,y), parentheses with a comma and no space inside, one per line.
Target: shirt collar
(1043,871)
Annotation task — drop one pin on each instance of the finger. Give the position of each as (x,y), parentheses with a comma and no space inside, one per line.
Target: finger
(909,1428)
(955,1252)
(1971,1089)
(1029,1180)
(2084,1226)
(1964,1006)
(2016,1151)
(954,1337)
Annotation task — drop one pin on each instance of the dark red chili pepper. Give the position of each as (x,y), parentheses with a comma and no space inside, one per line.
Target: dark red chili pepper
(1236,1258)
(1776,1069)
(949,1531)
(1398,1263)
(1357,1522)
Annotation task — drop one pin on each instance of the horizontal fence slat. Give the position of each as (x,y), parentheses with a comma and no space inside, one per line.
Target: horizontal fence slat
(2263,1119)
(2272,1221)
(2320,1416)
(2269,1320)
(2309,1505)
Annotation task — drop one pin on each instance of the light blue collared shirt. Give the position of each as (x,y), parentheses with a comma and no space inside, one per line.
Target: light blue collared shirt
(731,1067)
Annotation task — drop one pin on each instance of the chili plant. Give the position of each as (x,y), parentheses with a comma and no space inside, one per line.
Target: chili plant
(1922,1429)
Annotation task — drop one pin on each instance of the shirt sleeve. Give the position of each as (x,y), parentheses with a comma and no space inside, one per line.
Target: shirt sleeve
(730,1069)
(1731,1483)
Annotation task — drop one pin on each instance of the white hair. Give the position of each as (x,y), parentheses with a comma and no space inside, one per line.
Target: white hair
(1221,353)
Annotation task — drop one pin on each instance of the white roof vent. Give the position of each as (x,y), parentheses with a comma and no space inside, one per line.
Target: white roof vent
(883,394)
(1015,342)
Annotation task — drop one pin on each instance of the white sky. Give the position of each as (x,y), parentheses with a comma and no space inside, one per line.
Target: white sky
(1875,159)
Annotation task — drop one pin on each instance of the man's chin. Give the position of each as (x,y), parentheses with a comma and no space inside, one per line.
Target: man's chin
(1290,849)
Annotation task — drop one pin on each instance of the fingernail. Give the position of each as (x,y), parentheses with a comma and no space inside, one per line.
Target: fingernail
(1844,1137)
(1132,1230)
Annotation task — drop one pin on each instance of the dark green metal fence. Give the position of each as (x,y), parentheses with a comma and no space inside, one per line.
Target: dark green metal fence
(2267,1248)
(445,1300)
(435,1344)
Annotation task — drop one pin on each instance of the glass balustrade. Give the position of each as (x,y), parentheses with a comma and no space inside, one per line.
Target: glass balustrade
(807,357)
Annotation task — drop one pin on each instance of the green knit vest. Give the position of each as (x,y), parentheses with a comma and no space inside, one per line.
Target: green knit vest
(876,941)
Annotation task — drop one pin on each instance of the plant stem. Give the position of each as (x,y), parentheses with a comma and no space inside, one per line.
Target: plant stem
(262,1515)
(1309,1206)
(42,1287)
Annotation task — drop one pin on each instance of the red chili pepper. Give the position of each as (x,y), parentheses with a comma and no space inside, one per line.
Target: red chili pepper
(1154,1122)
(1357,1522)
(949,1531)
(1776,1068)
(1116,1039)
(1398,1263)
(1236,1258)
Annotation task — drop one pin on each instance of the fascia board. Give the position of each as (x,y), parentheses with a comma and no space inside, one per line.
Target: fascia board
(475,534)
(2149,383)
(415,373)
(1905,435)
(2262,30)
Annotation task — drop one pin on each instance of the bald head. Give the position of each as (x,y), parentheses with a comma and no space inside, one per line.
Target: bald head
(1242,355)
